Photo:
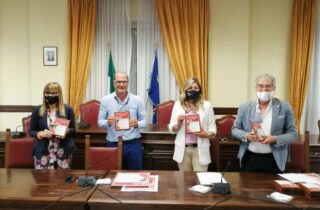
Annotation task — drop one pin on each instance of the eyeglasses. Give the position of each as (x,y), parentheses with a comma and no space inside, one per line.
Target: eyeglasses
(119,82)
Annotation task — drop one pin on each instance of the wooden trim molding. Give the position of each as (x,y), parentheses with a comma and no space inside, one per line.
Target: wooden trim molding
(30,108)
(225,110)
(16,108)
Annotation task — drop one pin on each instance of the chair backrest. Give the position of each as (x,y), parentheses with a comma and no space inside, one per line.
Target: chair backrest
(300,159)
(26,124)
(89,113)
(319,125)
(215,152)
(164,111)
(224,125)
(18,152)
(103,158)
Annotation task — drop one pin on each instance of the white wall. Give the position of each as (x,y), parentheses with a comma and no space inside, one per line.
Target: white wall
(25,27)
(246,38)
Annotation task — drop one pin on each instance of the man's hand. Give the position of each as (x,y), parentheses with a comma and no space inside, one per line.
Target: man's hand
(269,140)
(252,137)
(111,120)
(133,123)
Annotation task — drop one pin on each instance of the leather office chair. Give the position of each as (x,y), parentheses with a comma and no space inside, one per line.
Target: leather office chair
(89,113)
(164,111)
(103,158)
(18,152)
(224,125)
(26,124)
(300,159)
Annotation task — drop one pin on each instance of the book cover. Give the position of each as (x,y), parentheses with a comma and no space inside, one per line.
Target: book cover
(192,123)
(257,129)
(152,187)
(122,121)
(287,187)
(311,189)
(60,127)
(137,179)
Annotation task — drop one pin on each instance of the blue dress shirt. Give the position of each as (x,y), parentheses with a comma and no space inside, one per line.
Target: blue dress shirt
(110,104)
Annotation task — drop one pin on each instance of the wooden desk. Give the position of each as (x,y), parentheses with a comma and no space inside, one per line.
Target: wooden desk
(33,189)
(173,194)
(158,144)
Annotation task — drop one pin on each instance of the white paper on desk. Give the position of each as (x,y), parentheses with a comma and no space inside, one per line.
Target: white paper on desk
(301,177)
(207,178)
(104,181)
(280,197)
(153,186)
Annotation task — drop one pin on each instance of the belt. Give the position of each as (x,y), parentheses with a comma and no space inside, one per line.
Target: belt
(192,145)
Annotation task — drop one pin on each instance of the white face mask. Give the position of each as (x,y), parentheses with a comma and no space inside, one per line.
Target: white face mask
(265,96)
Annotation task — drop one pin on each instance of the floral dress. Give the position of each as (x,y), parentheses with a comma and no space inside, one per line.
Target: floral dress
(56,157)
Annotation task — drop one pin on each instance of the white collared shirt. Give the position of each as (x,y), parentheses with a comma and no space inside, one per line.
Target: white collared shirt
(257,147)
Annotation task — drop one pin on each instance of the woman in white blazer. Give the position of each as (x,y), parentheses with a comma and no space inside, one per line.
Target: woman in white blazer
(192,151)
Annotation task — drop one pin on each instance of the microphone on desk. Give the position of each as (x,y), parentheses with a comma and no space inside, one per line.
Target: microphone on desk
(18,134)
(222,188)
(85,181)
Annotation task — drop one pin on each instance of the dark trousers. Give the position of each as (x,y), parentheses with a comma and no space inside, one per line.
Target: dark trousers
(131,154)
(256,162)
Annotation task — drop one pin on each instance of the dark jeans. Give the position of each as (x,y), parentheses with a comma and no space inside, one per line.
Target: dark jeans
(256,162)
(131,154)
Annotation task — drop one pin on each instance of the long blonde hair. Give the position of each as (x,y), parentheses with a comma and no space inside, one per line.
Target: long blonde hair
(52,87)
(183,97)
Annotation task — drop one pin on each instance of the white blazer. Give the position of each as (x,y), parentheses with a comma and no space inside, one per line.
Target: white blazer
(208,123)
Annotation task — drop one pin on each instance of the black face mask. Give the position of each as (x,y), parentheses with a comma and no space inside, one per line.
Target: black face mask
(193,94)
(52,99)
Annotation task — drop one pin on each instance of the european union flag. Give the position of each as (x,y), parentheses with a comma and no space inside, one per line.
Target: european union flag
(154,88)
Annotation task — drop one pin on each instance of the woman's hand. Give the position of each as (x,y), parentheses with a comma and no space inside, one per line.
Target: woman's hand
(44,134)
(204,134)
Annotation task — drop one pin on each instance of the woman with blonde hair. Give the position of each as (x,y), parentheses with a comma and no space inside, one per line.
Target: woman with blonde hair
(192,150)
(51,151)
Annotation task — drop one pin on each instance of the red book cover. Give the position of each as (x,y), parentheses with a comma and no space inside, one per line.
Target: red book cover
(192,123)
(60,127)
(137,179)
(122,121)
(311,189)
(258,131)
(287,187)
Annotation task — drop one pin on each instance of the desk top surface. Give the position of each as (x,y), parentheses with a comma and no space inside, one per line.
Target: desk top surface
(19,186)
(173,193)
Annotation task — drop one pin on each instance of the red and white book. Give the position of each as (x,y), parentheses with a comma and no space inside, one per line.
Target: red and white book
(287,187)
(192,123)
(122,121)
(152,187)
(257,129)
(60,127)
(311,189)
(136,179)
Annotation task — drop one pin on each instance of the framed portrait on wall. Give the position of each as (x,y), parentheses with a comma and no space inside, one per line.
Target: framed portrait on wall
(50,56)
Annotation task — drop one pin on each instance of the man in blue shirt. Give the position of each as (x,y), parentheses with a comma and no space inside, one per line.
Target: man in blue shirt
(123,101)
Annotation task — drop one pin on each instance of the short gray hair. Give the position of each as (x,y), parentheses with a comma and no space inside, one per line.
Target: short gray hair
(266,77)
